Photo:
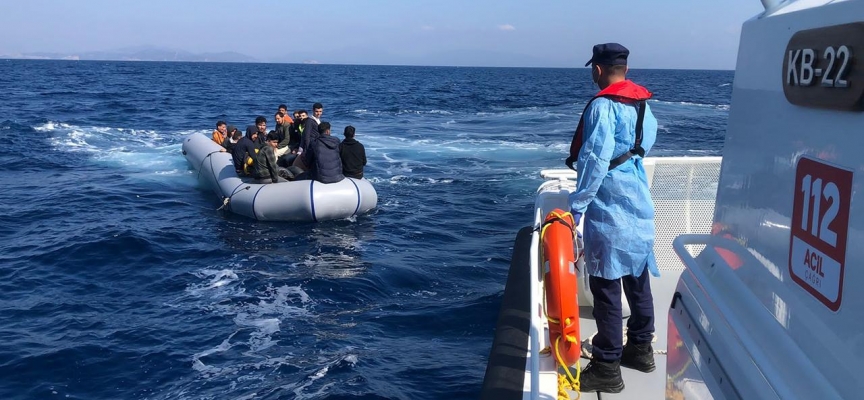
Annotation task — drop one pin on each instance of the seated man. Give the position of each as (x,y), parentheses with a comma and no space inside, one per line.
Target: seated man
(221,133)
(300,123)
(325,166)
(353,155)
(283,125)
(234,136)
(245,150)
(310,133)
(295,132)
(265,169)
(261,127)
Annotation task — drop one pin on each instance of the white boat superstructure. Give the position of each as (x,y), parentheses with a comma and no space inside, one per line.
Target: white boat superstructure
(760,264)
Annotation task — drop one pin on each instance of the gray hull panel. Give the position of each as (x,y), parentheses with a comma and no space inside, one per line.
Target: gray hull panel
(287,201)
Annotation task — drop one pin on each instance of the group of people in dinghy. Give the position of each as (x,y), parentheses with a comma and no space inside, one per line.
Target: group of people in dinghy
(300,148)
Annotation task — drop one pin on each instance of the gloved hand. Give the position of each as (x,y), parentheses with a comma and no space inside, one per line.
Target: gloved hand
(577,216)
(569,161)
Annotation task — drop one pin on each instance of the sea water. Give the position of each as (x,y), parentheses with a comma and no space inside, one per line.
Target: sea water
(119,279)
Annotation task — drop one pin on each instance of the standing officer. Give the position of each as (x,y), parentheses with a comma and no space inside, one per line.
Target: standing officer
(614,133)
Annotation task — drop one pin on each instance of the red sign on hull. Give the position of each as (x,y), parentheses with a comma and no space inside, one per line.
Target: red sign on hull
(820,226)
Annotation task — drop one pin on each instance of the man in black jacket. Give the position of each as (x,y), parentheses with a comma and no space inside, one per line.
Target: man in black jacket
(353,155)
(261,127)
(325,165)
(244,149)
(234,136)
(311,130)
(295,132)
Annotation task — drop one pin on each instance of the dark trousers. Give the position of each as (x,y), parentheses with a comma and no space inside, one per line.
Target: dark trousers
(286,160)
(608,343)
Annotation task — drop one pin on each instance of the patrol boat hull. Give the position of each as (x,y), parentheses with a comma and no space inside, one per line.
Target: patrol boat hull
(286,201)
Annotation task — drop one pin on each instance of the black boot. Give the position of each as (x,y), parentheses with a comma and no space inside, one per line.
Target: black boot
(638,356)
(601,376)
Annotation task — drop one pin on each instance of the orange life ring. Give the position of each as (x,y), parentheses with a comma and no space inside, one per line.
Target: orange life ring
(561,285)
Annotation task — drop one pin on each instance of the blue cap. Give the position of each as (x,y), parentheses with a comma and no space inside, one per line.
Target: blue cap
(609,54)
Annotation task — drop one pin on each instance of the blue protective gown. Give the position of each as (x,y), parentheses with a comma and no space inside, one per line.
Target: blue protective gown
(619,213)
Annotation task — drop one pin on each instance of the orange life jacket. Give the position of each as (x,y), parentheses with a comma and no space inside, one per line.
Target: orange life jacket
(218,137)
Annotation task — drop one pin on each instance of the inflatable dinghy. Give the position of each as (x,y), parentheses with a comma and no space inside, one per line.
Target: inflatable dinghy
(284,201)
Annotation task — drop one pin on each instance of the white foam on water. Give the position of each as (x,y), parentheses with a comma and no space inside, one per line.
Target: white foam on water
(454,145)
(221,291)
(217,284)
(140,151)
(48,126)
(412,181)
(209,370)
(333,265)
(299,388)
(263,329)
(533,110)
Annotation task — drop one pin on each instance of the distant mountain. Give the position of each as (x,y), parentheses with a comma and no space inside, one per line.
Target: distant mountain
(140,53)
(459,58)
(369,55)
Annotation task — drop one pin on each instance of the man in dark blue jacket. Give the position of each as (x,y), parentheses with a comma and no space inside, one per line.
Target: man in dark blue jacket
(325,164)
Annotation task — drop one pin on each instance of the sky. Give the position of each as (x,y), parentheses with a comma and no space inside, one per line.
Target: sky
(687,34)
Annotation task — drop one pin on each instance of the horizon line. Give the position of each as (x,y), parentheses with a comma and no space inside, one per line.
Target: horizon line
(8,58)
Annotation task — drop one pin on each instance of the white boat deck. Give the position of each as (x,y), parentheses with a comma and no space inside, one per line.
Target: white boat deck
(652,385)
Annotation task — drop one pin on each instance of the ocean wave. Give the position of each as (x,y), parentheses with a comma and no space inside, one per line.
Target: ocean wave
(363,111)
(456,144)
(257,316)
(411,180)
(692,104)
(556,111)
(142,150)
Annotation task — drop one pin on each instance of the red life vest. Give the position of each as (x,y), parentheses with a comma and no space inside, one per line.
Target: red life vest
(625,92)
